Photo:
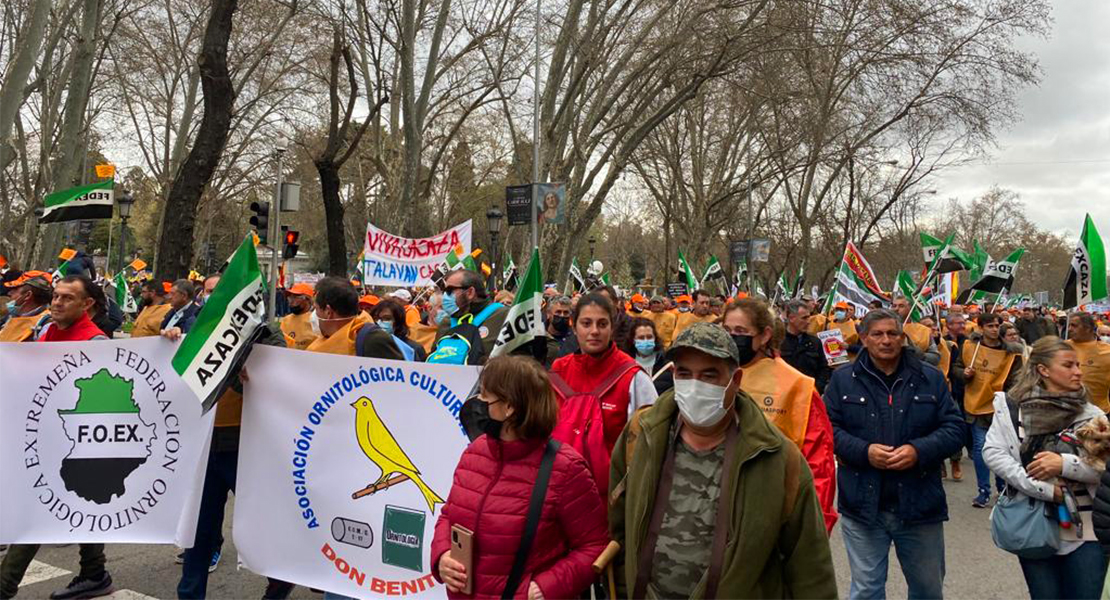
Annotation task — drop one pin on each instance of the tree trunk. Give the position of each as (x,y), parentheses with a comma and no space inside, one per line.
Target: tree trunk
(175,246)
(333,218)
(11,91)
(71,143)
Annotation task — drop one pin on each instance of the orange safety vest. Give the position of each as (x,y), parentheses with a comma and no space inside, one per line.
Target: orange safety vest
(783,394)
(918,335)
(664,325)
(19,329)
(425,335)
(992,367)
(684,320)
(1094,362)
(848,328)
(149,321)
(297,330)
(945,350)
(342,341)
(229,409)
(818,322)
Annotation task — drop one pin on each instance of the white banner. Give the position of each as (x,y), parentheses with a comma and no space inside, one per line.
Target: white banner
(389,260)
(344,464)
(100,442)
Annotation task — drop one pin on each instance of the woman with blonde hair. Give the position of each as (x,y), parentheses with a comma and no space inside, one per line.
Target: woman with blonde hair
(1033,446)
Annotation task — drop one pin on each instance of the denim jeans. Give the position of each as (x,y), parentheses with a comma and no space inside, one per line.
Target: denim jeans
(219,479)
(920,550)
(1077,575)
(982,473)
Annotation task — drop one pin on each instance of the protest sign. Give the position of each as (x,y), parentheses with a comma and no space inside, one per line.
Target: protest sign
(392,261)
(344,466)
(834,346)
(674,290)
(103,443)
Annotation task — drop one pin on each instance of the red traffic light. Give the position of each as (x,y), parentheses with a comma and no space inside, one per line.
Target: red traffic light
(291,237)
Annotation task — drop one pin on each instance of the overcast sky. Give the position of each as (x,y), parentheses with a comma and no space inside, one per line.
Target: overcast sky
(1058,156)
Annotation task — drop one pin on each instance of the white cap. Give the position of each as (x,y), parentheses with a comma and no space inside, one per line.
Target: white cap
(401,294)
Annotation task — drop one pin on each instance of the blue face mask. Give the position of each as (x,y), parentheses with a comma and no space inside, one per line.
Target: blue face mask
(442,316)
(450,305)
(645,347)
(11,306)
(840,315)
(387,326)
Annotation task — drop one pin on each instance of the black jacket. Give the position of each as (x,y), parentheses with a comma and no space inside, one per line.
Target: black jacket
(187,318)
(917,410)
(1100,516)
(1031,330)
(803,352)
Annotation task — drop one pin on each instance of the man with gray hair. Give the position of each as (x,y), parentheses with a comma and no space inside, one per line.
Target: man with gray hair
(801,349)
(560,337)
(894,423)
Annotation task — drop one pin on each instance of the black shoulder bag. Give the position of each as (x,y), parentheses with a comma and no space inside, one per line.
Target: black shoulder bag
(532,522)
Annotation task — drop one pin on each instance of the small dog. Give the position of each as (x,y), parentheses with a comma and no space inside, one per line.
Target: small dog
(1095,436)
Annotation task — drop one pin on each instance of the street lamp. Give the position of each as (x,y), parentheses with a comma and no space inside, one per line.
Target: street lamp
(592,241)
(493,220)
(124,203)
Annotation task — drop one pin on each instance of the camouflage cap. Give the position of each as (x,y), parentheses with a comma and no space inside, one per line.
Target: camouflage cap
(709,338)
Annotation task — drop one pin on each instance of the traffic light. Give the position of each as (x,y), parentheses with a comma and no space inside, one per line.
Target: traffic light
(261,220)
(290,250)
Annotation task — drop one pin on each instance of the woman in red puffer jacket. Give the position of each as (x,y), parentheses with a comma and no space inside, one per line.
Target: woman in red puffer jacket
(492,487)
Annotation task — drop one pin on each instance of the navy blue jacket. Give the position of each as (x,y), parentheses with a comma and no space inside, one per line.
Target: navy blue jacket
(191,310)
(918,410)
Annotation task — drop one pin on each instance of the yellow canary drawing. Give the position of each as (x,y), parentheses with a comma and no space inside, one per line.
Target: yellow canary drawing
(381,448)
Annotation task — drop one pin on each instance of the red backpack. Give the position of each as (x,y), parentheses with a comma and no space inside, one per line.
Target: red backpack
(582,426)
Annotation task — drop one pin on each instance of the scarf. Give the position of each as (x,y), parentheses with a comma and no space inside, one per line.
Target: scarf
(1045,414)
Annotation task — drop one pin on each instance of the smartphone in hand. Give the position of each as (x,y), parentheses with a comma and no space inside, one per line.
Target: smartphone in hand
(462,550)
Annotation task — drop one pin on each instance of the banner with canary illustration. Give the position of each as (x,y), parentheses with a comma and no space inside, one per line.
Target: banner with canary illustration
(344,466)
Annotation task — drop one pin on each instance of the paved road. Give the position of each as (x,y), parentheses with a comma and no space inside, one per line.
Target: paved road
(976,569)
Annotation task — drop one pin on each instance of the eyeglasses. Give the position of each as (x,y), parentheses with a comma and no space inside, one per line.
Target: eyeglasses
(451,289)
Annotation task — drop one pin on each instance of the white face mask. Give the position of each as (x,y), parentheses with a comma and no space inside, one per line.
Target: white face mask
(314,323)
(701,404)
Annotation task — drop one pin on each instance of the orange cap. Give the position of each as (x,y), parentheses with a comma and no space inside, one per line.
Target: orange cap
(369,300)
(639,298)
(28,276)
(684,298)
(301,289)
(841,304)
(167,286)
(741,295)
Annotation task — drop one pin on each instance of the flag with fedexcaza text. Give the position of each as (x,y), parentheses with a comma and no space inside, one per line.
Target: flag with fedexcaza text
(996,277)
(231,318)
(93,201)
(1086,280)
(524,322)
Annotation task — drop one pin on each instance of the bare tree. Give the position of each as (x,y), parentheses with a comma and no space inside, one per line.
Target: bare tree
(175,248)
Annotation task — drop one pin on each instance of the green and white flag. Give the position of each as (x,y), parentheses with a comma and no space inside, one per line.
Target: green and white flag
(524,321)
(907,287)
(951,258)
(687,273)
(124,298)
(508,275)
(782,287)
(225,328)
(93,201)
(799,281)
(713,271)
(996,277)
(576,275)
(605,279)
(1086,280)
